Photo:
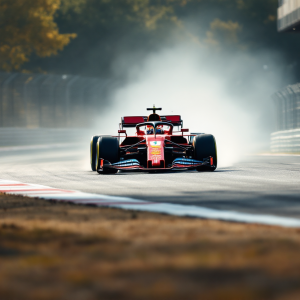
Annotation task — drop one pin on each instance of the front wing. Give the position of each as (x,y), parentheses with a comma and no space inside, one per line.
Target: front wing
(177,164)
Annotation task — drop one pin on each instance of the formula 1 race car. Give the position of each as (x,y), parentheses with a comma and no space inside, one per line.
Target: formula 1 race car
(154,147)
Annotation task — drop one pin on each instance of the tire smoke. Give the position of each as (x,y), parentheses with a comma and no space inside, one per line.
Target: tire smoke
(225,94)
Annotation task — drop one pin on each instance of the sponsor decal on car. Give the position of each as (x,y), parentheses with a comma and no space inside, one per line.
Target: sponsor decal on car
(155,144)
(155,152)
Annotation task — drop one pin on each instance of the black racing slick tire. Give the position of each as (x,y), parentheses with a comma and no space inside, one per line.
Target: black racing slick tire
(107,149)
(93,148)
(205,146)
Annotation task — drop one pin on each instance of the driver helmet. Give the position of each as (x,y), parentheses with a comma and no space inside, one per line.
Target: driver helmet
(153,117)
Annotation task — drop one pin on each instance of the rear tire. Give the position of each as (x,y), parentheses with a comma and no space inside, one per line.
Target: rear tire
(108,149)
(205,146)
(93,148)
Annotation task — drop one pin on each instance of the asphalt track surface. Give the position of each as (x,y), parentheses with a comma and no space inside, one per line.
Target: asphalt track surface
(257,184)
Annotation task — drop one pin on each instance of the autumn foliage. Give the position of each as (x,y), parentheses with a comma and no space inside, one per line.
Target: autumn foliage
(28,27)
(109,29)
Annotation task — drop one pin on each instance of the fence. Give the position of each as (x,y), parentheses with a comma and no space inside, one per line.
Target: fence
(43,136)
(55,101)
(287,135)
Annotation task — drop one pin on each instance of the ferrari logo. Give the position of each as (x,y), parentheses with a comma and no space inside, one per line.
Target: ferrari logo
(155,143)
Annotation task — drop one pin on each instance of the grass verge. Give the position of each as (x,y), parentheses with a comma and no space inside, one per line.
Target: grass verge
(52,251)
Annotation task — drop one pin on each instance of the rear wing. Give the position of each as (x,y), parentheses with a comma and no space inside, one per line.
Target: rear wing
(132,121)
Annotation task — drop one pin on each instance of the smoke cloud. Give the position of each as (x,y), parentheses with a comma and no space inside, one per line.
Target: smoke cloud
(225,94)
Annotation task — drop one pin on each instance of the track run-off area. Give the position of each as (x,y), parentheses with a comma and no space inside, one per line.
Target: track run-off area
(261,186)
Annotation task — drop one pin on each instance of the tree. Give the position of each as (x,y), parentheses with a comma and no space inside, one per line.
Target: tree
(105,29)
(227,32)
(28,27)
(110,29)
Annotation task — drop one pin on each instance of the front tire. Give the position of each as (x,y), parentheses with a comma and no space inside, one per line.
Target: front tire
(93,148)
(107,149)
(205,146)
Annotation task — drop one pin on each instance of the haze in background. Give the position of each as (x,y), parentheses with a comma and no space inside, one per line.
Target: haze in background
(214,62)
(218,93)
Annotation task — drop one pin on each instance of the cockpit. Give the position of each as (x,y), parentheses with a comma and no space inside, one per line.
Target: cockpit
(153,124)
(158,127)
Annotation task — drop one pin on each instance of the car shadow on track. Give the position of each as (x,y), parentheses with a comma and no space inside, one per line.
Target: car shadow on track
(168,172)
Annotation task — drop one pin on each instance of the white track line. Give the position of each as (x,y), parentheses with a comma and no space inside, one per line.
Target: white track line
(77,197)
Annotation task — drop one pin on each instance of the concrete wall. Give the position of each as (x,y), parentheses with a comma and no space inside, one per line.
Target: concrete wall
(42,136)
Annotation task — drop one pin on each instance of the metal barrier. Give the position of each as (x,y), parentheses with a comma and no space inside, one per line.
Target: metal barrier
(56,101)
(287,136)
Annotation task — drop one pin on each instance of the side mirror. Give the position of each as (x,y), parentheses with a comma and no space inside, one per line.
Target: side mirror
(122,131)
(184,130)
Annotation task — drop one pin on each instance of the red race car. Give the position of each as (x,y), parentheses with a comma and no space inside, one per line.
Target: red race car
(154,147)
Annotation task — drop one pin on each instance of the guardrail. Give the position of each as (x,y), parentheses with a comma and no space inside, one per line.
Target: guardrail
(286,141)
